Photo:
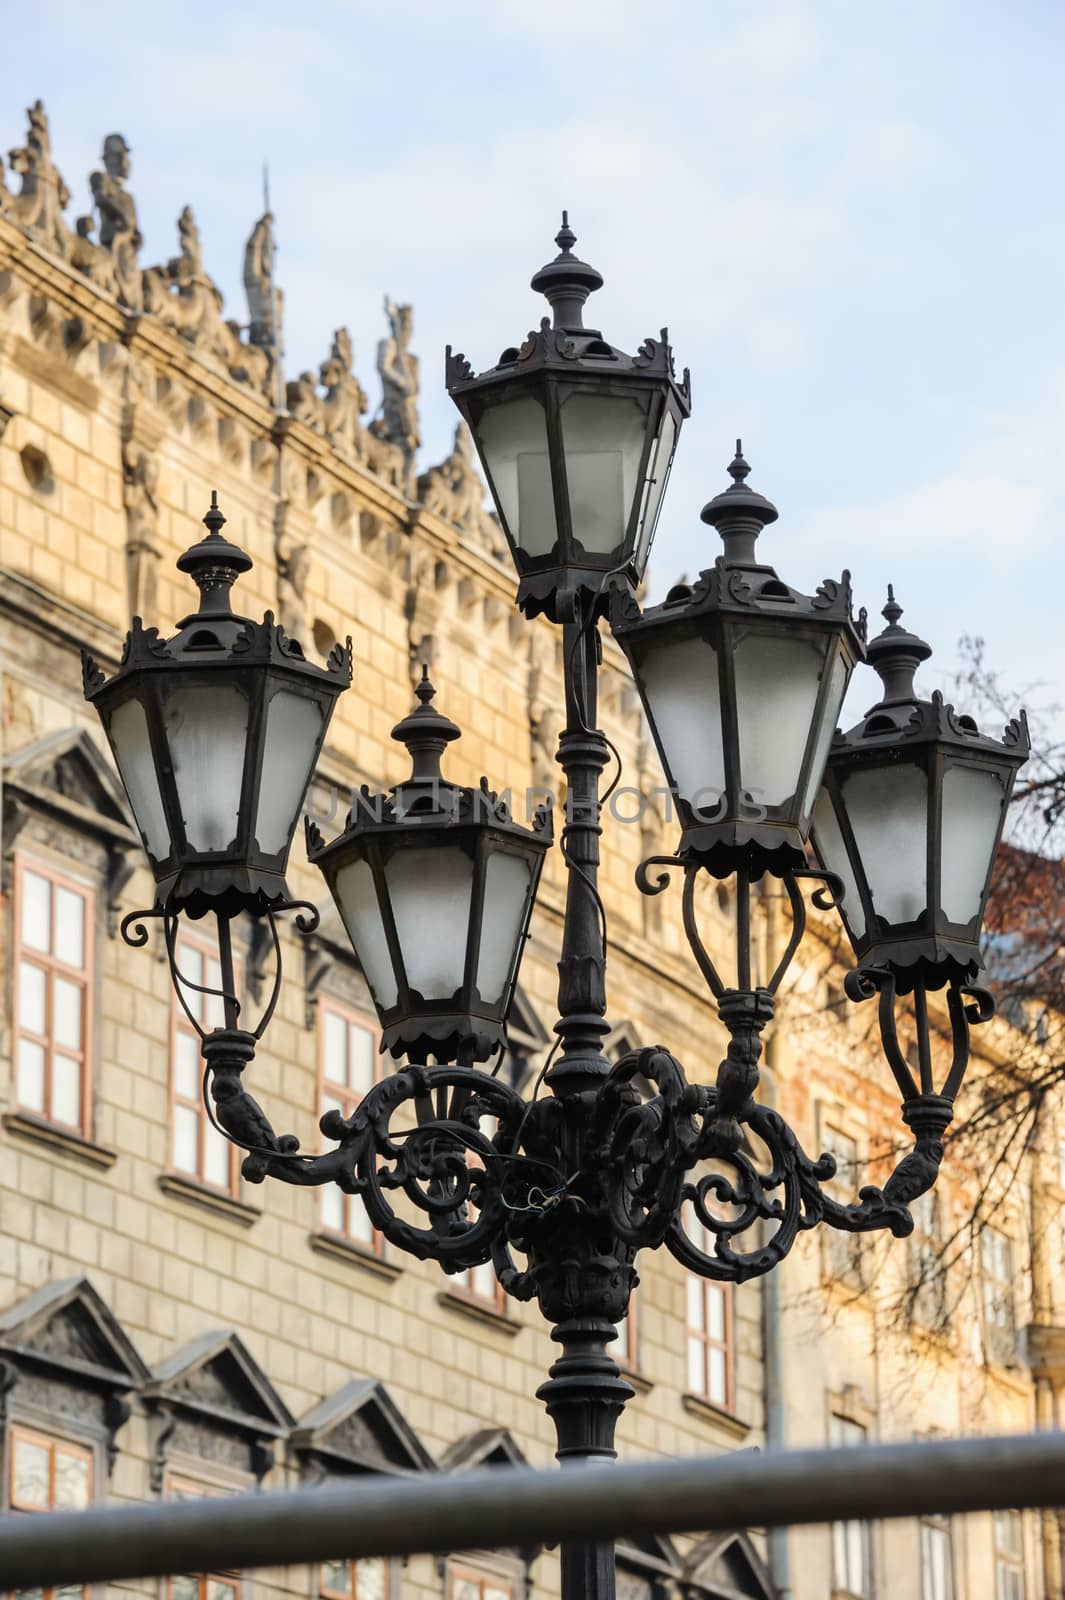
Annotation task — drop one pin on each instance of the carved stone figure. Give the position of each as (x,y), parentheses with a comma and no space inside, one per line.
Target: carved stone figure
(453,490)
(263,313)
(43,195)
(293,571)
(338,412)
(143,551)
(120,234)
(186,299)
(398,370)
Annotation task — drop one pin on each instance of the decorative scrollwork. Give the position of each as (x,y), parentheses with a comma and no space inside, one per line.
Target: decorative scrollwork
(661,880)
(132,929)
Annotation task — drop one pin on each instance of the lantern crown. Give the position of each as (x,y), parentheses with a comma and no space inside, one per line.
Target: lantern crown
(567,281)
(214,564)
(895,653)
(739,514)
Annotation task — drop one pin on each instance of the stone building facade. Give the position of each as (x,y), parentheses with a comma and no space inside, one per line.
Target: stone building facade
(167,1329)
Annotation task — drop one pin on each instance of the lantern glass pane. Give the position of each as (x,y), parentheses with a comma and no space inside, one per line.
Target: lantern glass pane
(431,889)
(972,808)
(207,730)
(603,437)
(680,683)
(657,476)
(513,443)
(506,894)
(355,893)
(832,854)
(837,688)
(293,729)
(776,693)
(128,731)
(887,808)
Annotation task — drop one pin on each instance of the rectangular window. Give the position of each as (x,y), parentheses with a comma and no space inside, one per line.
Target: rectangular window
(708,1318)
(937,1559)
(354,1580)
(928,1283)
(842,1252)
(46,1474)
(852,1563)
(349,1065)
(198,1150)
(1000,1316)
(205,1586)
(626,1348)
(53,966)
(1009,1555)
(469,1584)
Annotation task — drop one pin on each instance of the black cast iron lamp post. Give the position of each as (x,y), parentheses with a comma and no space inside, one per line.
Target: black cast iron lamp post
(216,731)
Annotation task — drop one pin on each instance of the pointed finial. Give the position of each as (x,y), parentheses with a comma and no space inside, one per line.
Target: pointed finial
(567,281)
(895,654)
(425,691)
(214,563)
(892,611)
(738,467)
(213,519)
(739,514)
(565,238)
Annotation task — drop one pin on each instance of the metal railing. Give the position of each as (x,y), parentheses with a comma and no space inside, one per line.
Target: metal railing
(384,1516)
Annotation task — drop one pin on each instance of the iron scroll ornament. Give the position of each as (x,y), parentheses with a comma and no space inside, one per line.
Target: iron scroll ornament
(486,1176)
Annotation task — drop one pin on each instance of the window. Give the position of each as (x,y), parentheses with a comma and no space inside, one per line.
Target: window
(927,1270)
(1009,1555)
(53,961)
(469,1584)
(354,1580)
(937,1559)
(480,1283)
(626,1348)
(199,1151)
(46,1474)
(207,1586)
(852,1563)
(996,1262)
(348,1060)
(842,1252)
(709,1328)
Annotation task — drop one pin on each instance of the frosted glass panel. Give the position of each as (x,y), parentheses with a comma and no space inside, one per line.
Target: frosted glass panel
(602,437)
(293,729)
(513,440)
(656,486)
(506,891)
(207,730)
(681,687)
(66,1013)
(30,1075)
(66,1091)
(36,912)
(431,891)
(888,812)
(31,987)
(776,692)
(128,728)
(837,688)
(972,806)
(356,898)
(832,854)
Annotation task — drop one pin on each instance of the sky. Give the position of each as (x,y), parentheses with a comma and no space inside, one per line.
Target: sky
(850,215)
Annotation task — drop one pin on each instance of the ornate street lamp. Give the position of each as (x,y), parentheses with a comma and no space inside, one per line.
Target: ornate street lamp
(435,885)
(576,439)
(215,734)
(742,679)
